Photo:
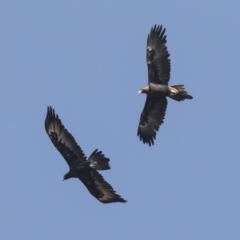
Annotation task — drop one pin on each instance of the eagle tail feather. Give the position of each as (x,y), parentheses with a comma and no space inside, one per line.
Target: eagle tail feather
(98,161)
(179,93)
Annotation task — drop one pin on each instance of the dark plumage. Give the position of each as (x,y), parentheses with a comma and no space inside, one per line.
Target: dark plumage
(79,166)
(157,90)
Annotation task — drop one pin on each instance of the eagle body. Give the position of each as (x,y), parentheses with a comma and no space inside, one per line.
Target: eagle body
(77,168)
(157,89)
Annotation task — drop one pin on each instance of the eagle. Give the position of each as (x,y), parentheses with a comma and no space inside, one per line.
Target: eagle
(157,90)
(86,170)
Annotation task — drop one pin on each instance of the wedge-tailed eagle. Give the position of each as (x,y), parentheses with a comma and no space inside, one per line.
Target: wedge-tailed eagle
(157,90)
(79,166)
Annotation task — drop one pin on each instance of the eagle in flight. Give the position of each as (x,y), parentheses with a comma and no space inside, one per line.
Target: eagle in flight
(157,90)
(86,170)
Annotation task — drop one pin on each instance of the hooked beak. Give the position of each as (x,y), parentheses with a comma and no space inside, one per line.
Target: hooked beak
(140,91)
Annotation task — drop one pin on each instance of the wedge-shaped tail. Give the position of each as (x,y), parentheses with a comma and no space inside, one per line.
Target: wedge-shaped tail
(179,93)
(98,161)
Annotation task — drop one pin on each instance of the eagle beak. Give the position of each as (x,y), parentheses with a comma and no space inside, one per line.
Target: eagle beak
(140,91)
(63,179)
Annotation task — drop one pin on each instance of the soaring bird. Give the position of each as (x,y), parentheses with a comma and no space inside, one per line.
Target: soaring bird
(79,166)
(157,90)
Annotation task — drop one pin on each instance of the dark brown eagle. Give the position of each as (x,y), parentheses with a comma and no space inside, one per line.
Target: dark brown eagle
(79,166)
(157,90)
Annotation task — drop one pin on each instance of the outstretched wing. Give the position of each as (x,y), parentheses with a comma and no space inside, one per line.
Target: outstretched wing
(62,139)
(151,118)
(158,57)
(99,188)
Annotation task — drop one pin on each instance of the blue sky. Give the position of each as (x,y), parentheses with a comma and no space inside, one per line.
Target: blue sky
(87,60)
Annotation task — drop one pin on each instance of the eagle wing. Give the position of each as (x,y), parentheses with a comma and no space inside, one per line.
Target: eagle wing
(151,118)
(62,139)
(99,188)
(158,57)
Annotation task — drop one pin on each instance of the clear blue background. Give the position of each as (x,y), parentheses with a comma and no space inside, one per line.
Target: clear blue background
(87,60)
